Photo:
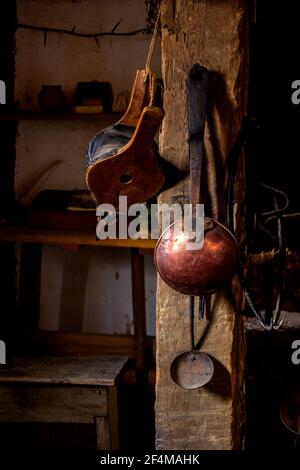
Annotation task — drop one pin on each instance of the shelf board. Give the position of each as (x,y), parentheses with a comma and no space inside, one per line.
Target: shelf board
(107,118)
(18,234)
(80,344)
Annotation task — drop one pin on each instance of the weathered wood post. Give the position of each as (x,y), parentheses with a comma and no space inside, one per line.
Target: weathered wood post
(215,34)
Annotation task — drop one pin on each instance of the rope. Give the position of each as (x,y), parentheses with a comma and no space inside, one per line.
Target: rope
(149,72)
(263,257)
(152,44)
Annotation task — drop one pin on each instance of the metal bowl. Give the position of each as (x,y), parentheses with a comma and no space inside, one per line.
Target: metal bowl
(192,369)
(201,271)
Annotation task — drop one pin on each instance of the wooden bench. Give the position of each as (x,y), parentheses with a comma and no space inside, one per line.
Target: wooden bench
(63,390)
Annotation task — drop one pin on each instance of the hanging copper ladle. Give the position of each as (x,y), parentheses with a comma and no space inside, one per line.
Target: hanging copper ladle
(210,267)
(192,369)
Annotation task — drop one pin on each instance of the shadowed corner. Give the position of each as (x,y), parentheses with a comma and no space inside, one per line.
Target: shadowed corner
(220,383)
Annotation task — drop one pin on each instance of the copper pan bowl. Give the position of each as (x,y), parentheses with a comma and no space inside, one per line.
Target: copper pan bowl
(201,271)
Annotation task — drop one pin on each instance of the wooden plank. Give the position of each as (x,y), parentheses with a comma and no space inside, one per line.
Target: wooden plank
(102,433)
(56,343)
(139,307)
(51,404)
(113,417)
(102,370)
(139,99)
(103,119)
(66,237)
(213,34)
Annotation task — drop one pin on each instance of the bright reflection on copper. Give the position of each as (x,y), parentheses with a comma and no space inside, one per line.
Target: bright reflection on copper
(212,245)
(200,271)
(180,241)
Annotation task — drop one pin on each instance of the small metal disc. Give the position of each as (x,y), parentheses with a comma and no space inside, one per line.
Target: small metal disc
(192,369)
(290,412)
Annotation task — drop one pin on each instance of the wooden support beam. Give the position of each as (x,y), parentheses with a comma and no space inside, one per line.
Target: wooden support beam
(214,34)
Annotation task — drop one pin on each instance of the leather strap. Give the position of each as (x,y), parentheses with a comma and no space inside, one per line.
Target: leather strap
(197,90)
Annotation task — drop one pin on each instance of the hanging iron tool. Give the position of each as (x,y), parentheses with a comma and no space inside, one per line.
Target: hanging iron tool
(259,222)
(193,369)
(211,267)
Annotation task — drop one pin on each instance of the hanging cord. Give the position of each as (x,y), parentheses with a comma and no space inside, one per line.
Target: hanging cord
(192,316)
(152,43)
(150,74)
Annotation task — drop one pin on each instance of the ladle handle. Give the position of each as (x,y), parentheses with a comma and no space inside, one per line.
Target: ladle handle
(197,87)
(197,90)
(192,317)
(192,314)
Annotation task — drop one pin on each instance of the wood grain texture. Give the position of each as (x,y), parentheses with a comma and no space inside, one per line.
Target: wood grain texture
(51,404)
(113,417)
(138,100)
(136,160)
(102,433)
(213,33)
(66,344)
(101,371)
(17,234)
(102,119)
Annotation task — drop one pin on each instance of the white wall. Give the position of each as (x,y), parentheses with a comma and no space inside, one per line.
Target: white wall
(65,60)
(104,290)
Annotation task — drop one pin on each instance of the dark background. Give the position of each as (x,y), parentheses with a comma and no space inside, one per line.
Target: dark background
(274,65)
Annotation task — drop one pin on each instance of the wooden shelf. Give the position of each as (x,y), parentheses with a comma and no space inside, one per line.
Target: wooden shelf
(105,118)
(17,234)
(81,344)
